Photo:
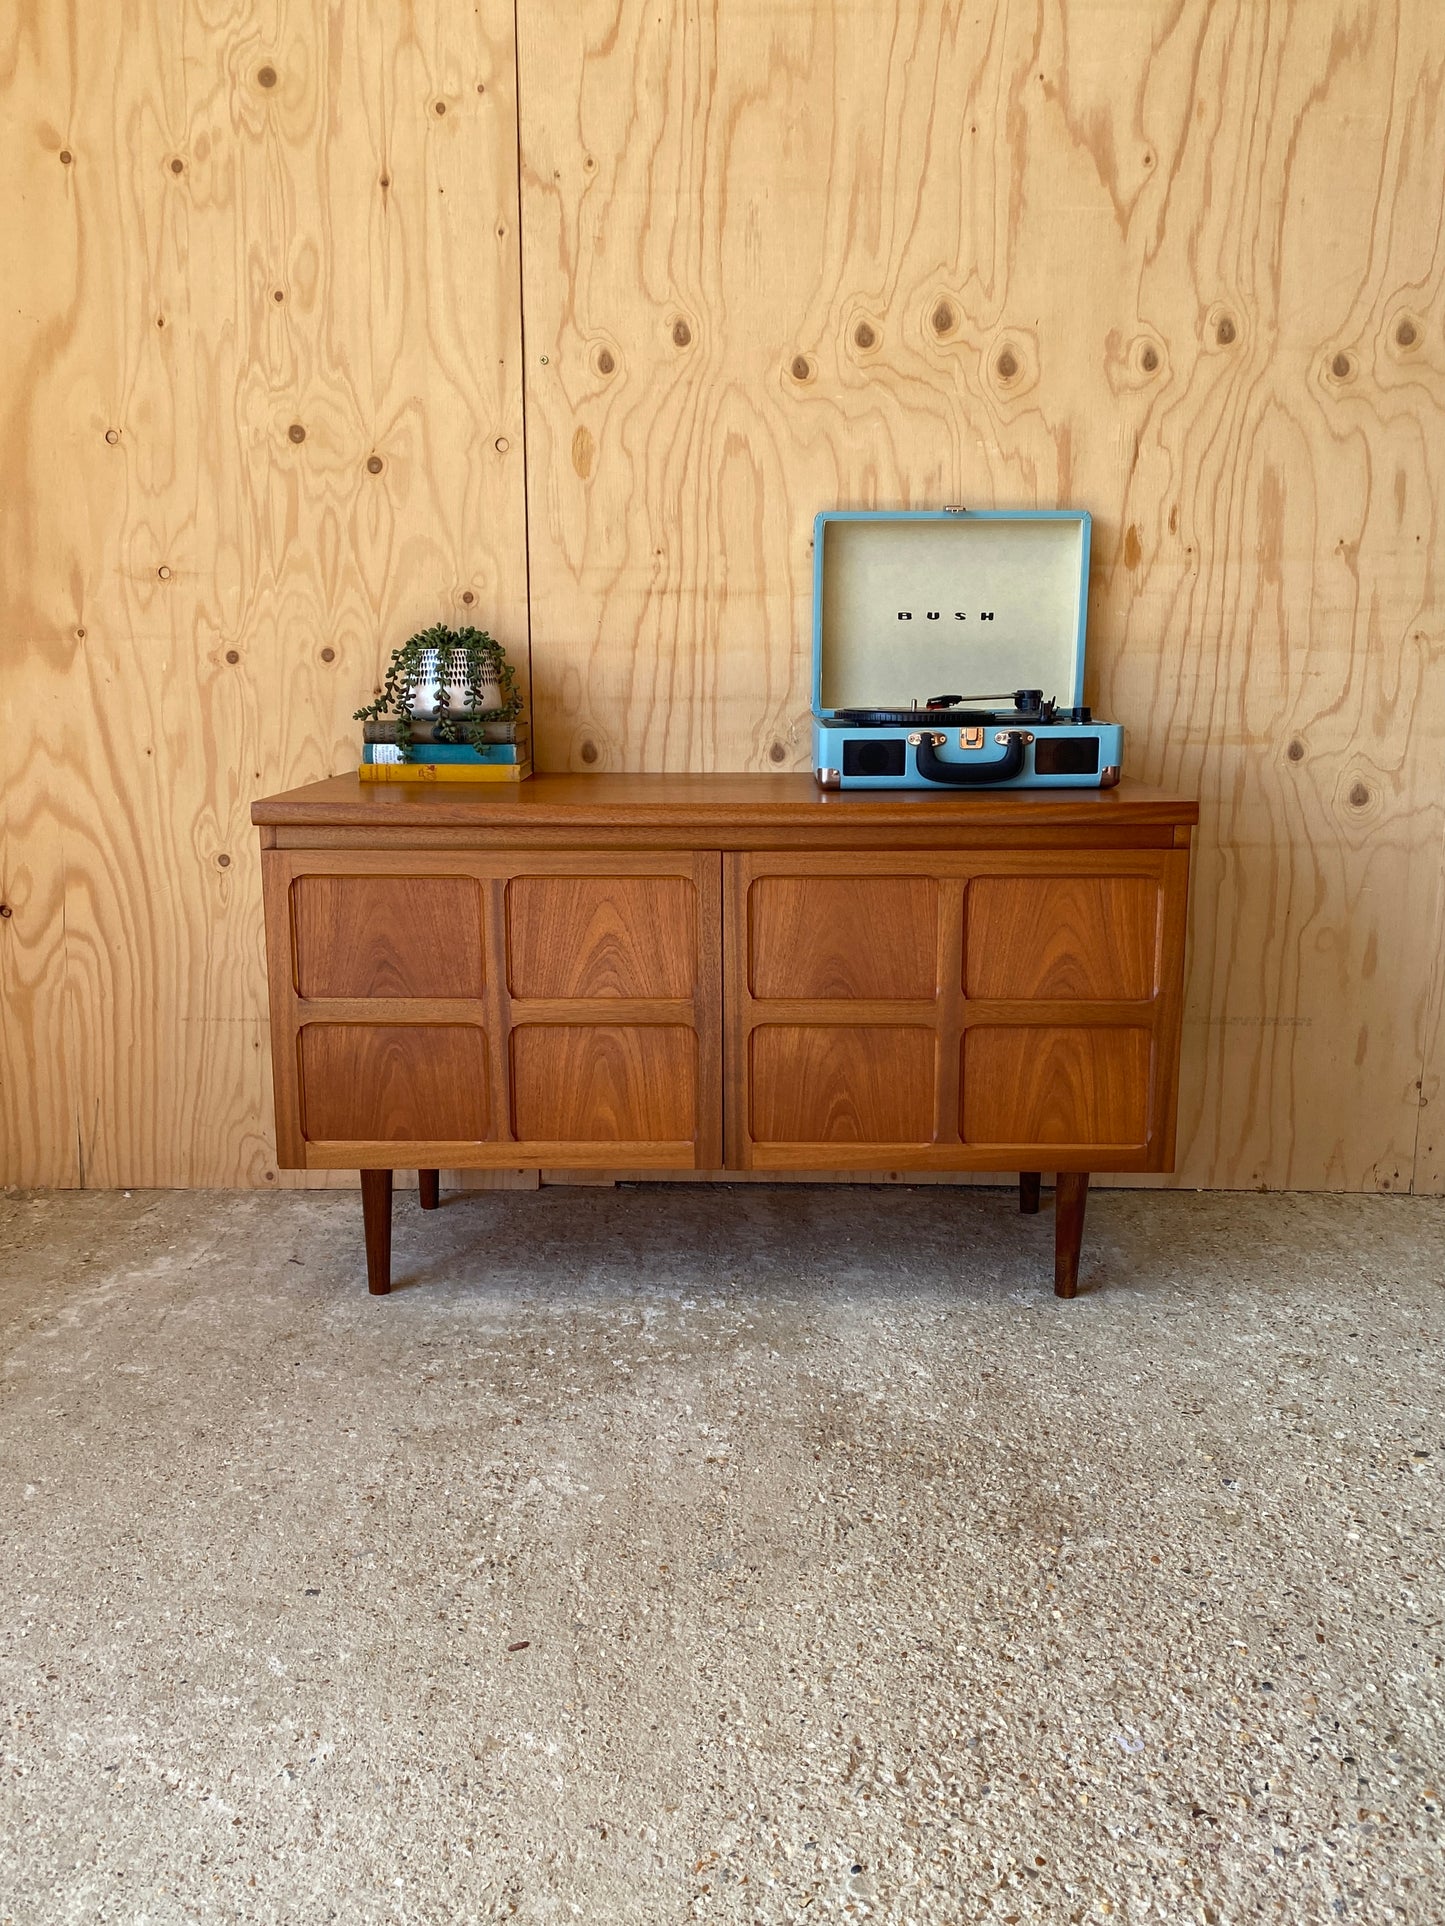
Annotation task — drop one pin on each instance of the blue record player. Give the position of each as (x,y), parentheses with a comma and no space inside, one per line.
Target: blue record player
(948,651)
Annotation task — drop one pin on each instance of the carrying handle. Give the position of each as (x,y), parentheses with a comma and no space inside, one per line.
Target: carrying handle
(969,775)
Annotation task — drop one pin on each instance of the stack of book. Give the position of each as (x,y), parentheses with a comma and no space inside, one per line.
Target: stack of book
(505,755)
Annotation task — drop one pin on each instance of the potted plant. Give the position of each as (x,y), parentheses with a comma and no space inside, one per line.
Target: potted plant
(458,679)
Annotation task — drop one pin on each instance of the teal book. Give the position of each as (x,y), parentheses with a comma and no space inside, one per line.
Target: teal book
(444,752)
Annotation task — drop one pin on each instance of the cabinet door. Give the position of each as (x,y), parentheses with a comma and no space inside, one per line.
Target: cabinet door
(919,1012)
(472,1011)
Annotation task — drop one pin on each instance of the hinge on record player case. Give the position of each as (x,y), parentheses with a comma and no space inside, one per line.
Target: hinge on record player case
(954,508)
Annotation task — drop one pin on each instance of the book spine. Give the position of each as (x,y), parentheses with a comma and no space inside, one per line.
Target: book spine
(459,752)
(425,730)
(430,772)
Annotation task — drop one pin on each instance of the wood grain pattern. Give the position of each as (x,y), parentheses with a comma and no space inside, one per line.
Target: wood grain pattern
(1180,266)
(393,1082)
(262,411)
(383,936)
(262,392)
(42,1081)
(1056,1084)
(1118,918)
(841,1084)
(604,1083)
(568,809)
(489,1059)
(842,936)
(1062,936)
(606,1080)
(601,936)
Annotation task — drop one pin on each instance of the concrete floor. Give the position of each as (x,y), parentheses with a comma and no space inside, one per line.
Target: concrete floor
(759,1555)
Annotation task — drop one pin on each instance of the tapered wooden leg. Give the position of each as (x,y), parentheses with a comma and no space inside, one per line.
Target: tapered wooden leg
(1070,1197)
(1029,1192)
(376,1215)
(429,1183)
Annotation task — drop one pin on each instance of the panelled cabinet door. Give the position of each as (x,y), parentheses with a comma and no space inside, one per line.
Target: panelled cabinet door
(485,1011)
(938,1012)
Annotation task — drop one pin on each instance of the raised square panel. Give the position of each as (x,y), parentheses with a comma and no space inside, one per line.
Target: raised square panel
(1065,1084)
(1065,937)
(604,1083)
(842,1084)
(583,936)
(391,1082)
(387,935)
(843,936)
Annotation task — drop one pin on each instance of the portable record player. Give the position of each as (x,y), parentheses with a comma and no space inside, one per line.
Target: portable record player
(910,607)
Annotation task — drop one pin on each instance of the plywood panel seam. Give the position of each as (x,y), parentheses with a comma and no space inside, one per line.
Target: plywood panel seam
(522,383)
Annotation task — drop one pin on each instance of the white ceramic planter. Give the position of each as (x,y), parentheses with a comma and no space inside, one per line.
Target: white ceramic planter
(442,689)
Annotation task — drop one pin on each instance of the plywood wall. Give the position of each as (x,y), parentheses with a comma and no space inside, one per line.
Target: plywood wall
(1182,266)
(262,419)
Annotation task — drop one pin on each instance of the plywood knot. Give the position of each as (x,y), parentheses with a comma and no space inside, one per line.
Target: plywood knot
(1012,363)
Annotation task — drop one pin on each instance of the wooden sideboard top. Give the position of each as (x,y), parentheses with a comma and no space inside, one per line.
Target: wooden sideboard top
(694,802)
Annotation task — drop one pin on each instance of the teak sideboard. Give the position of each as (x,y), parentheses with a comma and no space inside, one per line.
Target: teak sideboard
(720,973)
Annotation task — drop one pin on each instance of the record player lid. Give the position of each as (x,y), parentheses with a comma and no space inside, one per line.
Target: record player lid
(908,605)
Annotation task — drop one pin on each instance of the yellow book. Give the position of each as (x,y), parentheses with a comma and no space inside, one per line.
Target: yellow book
(444,771)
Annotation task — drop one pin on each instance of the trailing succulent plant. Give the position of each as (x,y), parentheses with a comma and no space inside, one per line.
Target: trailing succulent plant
(466,663)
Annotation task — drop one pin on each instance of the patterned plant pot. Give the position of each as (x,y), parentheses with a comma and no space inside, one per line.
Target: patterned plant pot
(441,689)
